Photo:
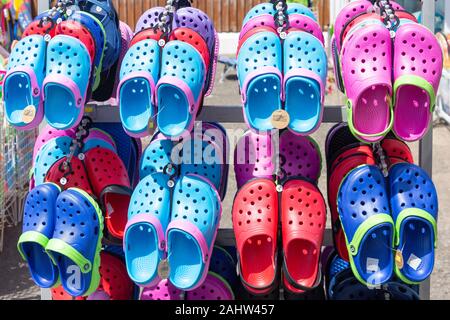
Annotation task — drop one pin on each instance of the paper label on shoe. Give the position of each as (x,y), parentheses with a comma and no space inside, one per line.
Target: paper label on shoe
(109,209)
(372,265)
(414,262)
(163,269)
(280,119)
(29,113)
(151,126)
(388,99)
(399,260)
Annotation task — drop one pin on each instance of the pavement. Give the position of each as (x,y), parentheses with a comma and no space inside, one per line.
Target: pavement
(15,282)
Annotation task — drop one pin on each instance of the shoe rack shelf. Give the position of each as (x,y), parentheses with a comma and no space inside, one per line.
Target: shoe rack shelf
(109,112)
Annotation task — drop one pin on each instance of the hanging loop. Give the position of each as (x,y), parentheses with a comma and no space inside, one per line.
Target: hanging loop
(165,19)
(172,171)
(383,160)
(281,17)
(387,11)
(61,8)
(77,144)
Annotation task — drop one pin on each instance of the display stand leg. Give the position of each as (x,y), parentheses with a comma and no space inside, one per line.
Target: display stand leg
(426,145)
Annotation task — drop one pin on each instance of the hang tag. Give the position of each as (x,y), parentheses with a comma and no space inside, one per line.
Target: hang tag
(163,269)
(399,261)
(414,262)
(13,44)
(151,126)
(389,100)
(110,209)
(372,265)
(29,113)
(280,119)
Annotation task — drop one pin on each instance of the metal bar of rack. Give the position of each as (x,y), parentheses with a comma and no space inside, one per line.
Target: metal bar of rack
(233,114)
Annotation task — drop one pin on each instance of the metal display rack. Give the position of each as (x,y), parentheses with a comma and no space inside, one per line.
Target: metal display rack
(16,153)
(233,114)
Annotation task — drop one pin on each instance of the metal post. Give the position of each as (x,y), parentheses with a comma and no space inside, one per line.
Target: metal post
(426,145)
(43,5)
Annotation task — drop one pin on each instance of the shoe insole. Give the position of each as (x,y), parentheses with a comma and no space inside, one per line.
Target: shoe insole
(412,111)
(142,252)
(185,259)
(257,261)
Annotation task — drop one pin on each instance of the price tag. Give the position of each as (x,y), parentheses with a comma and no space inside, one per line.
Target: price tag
(372,265)
(163,269)
(388,99)
(13,44)
(414,262)
(151,126)
(110,209)
(29,113)
(280,119)
(399,261)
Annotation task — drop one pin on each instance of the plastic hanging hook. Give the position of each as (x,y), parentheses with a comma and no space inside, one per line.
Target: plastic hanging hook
(171,170)
(44,21)
(165,19)
(383,161)
(61,8)
(390,19)
(280,175)
(76,144)
(281,17)
(67,170)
